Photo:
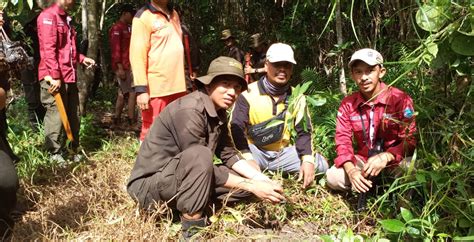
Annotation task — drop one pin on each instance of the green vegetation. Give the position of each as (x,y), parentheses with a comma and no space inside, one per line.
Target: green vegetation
(429,51)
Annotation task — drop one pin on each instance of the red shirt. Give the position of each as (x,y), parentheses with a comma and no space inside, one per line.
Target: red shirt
(119,37)
(57,42)
(393,121)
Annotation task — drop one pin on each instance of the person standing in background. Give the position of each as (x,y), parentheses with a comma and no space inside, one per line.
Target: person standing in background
(231,48)
(119,37)
(57,73)
(157,59)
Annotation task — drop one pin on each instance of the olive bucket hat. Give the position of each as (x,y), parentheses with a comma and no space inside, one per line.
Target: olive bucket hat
(224,66)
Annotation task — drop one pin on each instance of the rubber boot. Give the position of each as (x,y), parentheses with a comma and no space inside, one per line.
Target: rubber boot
(191,227)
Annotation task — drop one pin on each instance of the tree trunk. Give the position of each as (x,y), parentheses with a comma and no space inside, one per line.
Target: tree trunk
(342,74)
(86,76)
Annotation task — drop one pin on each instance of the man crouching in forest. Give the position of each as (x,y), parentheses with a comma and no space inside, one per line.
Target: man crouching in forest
(175,161)
(381,120)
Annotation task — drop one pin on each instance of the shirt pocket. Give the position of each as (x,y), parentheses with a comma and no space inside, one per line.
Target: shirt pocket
(62,36)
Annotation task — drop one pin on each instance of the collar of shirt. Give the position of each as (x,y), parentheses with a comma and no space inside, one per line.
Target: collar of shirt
(155,10)
(58,9)
(210,108)
(381,98)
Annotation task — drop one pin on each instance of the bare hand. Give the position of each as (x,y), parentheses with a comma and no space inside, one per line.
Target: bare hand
(359,182)
(269,191)
(88,62)
(248,70)
(143,100)
(120,73)
(376,164)
(54,85)
(306,174)
(193,75)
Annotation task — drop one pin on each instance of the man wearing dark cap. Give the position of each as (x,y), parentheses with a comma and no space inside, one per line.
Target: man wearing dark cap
(175,161)
(231,48)
(258,49)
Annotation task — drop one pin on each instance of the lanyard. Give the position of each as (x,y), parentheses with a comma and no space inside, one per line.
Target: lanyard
(371,126)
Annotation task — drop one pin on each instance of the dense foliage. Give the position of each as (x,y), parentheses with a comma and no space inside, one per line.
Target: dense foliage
(429,48)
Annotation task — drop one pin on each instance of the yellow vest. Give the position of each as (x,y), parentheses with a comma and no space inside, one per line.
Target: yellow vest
(261,110)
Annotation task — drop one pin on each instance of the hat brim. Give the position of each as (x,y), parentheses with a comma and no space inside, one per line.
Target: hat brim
(271,60)
(207,79)
(226,38)
(370,63)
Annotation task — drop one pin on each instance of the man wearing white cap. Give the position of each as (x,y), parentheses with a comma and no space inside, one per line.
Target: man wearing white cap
(380,118)
(266,101)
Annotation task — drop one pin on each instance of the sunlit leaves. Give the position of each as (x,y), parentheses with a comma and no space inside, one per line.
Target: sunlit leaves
(431,17)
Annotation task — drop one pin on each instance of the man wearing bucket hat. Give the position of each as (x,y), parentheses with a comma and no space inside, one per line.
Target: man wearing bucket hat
(175,161)
(381,120)
(266,101)
(231,48)
(258,49)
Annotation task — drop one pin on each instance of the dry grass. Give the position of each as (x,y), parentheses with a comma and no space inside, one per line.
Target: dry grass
(89,201)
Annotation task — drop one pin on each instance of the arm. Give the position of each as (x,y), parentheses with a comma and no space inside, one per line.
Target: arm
(305,150)
(115,36)
(264,190)
(239,121)
(47,36)
(406,132)
(139,47)
(344,150)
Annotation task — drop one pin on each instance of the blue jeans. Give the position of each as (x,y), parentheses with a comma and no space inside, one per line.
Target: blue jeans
(286,160)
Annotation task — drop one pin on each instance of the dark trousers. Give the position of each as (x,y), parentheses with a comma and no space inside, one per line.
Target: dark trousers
(32,90)
(53,127)
(8,188)
(3,135)
(187,181)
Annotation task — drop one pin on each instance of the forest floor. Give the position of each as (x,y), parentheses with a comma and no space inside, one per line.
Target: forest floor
(89,200)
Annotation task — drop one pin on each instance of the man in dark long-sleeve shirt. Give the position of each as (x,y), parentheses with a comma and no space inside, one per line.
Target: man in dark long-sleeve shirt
(175,161)
(264,101)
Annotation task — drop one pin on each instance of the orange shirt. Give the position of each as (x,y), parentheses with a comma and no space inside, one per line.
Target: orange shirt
(157,53)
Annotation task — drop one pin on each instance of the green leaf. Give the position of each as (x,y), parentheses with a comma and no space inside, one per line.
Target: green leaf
(300,109)
(431,18)
(305,87)
(30,4)
(413,231)
(462,44)
(274,123)
(406,214)
(316,101)
(466,238)
(393,225)
(421,177)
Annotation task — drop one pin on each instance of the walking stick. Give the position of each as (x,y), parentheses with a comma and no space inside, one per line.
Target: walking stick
(188,58)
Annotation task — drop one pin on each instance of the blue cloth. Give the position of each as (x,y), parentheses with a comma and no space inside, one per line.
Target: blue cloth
(286,160)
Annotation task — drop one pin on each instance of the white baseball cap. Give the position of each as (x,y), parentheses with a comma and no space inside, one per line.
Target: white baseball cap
(369,56)
(280,52)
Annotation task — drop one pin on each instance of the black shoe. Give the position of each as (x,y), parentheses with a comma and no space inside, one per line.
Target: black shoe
(190,227)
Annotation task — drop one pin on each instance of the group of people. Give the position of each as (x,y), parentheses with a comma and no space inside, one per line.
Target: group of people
(182,132)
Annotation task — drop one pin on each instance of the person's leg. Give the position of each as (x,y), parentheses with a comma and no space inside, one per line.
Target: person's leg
(8,188)
(32,89)
(4,134)
(337,178)
(118,107)
(52,120)
(184,183)
(155,107)
(72,110)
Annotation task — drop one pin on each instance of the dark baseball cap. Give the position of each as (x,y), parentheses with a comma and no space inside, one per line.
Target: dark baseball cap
(224,66)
